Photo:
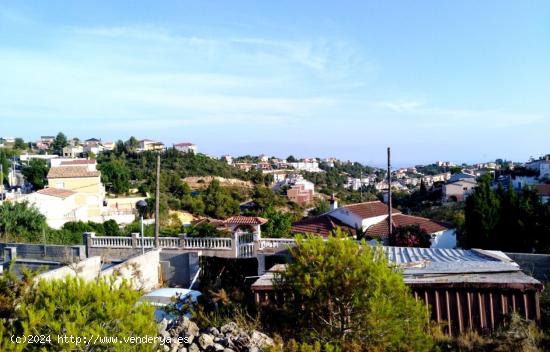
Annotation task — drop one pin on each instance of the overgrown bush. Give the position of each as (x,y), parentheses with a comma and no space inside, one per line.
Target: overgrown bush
(72,307)
(344,294)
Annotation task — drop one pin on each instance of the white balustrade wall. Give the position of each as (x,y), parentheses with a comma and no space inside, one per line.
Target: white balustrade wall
(245,245)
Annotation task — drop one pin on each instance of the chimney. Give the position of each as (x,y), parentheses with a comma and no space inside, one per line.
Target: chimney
(333,202)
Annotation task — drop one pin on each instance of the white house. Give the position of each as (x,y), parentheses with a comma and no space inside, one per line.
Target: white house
(186,147)
(72,151)
(542,166)
(458,191)
(58,206)
(361,215)
(309,166)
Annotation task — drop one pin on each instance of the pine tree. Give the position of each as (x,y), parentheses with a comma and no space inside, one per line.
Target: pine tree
(341,292)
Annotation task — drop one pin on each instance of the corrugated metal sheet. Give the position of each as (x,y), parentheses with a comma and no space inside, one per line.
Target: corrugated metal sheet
(404,255)
(416,261)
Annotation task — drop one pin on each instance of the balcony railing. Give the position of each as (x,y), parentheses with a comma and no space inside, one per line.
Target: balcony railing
(111,242)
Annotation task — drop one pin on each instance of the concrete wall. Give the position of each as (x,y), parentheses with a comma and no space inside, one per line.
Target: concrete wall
(65,254)
(142,271)
(537,265)
(88,269)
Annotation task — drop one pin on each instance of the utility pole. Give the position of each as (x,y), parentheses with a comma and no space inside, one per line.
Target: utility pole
(157,204)
(389,194)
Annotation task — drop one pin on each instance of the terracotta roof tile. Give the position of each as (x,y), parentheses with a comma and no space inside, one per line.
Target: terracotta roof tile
(56,192)
(321,225)
(543,189)
(369,209)
(246,220)
(71,172)
(381,228)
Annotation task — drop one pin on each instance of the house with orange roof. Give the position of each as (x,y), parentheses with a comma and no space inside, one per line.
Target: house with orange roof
(372,219)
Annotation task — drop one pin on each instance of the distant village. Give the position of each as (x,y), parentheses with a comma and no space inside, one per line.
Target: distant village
(429,252)
(75,192)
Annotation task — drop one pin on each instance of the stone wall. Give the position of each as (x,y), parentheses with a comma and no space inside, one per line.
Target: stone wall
(65,254)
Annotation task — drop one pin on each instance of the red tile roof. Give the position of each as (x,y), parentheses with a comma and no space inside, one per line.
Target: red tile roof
(246,220)
(77,162)
(56,192)
(543,189)
(71,172)
(381,228)
(321,225)
(185,144)
(369,209)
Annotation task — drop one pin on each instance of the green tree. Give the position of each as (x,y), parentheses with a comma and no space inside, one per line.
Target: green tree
(218,201)
(59,143)
(338,291)
(4,162)
(36,172)
(482,214)
(321,207)
(21,222)
(455,170)
(72,307)
(116,175)
(131,145)
(19,144)
(111,228)
(263,197)
(279,224)
(291,159)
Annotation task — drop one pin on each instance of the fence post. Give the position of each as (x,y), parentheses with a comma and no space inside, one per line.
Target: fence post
(235,243)
(88,242)
(134,240)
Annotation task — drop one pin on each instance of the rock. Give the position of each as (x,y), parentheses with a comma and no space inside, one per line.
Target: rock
(162,326)
(218,347)
(193,348)
(230,328)
(175,345)
(166,348)
(260,340)
(213,331)
(253,349)
(190,327)
(182,349)
(189,339)
(228,350)
(206,341)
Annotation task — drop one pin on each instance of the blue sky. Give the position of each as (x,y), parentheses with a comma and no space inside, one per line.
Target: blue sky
(436,80)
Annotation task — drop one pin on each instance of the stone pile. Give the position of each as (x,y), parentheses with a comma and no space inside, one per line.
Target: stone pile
(185,336)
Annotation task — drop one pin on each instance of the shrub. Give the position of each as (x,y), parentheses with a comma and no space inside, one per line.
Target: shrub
(72,307)
(346,294)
